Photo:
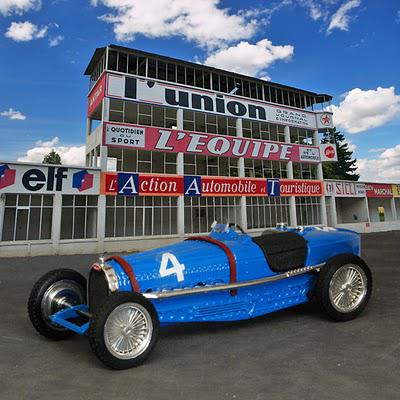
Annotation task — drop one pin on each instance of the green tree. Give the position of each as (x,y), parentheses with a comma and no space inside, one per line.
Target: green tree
(52,158)
(345,167)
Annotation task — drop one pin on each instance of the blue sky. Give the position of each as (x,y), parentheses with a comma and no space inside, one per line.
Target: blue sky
(349,49)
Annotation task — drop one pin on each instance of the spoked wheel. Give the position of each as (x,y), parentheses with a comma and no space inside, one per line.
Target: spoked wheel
(54,291)
(344,287)
(124,330)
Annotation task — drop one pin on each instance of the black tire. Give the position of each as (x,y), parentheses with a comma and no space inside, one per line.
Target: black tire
(322,290)
(99,319)
(35,310)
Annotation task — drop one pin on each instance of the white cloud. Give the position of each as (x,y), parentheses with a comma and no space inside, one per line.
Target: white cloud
(55,41)
(203,22)
(25,31)
(249,59)
(385,168)
(9,7)
(70,155)
(365,109)
(340,19)
(13,114)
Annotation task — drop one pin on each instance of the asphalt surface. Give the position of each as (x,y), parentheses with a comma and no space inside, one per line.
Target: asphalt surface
(293,354)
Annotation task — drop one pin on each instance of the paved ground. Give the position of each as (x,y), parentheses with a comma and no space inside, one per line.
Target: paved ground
(294,354)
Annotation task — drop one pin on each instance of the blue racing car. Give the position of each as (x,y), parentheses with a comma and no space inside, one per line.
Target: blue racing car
(227,275)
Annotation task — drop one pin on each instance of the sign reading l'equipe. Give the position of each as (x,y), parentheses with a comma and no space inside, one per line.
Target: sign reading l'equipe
(177,141)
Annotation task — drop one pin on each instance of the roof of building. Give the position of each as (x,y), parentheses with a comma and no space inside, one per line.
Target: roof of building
(320,97)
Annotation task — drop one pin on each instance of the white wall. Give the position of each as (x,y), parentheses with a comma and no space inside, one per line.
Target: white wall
(374,203)
(351,210)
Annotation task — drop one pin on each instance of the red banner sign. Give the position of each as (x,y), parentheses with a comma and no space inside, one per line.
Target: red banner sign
(176,141)
(141,184)
(134,184)
(300,187)
(378,190)
(216,186)
(96,95)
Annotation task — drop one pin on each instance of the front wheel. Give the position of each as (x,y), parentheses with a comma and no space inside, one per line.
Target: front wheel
(54,291)
(344,287)
(124,330)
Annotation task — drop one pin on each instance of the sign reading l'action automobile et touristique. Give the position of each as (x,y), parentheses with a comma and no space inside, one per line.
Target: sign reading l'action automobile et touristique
(31,178)
(173,140)
(138,184)
(152,92)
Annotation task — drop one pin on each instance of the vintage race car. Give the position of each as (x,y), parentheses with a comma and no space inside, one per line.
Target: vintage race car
(227,275)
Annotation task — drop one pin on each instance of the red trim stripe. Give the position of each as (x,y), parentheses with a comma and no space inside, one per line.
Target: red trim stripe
(228,252)
(128,270)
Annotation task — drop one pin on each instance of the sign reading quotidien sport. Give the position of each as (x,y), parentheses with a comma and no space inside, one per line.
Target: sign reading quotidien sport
(172,140)
(170,95)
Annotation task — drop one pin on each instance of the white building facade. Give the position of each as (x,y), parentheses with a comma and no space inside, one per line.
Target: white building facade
(172,146)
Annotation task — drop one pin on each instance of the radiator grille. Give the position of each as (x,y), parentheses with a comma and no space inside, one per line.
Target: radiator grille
(97,289)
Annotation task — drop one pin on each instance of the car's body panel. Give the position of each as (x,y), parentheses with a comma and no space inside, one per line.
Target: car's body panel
(197,263)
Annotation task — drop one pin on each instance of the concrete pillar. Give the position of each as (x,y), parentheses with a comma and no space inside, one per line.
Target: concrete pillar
(320,177)
(180,171)
(333,211)
(104,149)
(2,211)
(393,207)
(292,199)
(56,222)
(243,203)
(101,222)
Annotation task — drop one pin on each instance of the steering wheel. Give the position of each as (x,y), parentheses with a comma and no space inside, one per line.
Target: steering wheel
(232,224)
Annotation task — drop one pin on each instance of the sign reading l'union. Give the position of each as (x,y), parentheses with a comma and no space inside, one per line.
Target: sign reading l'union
(171,95)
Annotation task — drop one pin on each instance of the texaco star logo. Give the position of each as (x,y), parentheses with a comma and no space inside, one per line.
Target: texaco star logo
(325,119)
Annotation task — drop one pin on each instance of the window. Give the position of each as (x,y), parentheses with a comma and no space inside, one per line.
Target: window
(201,212)
(266,212)
(27,217)
(190,76)
(208,165)
(304,171)
(308,211)
(132,216)
(141,70)
(152,68)
(132,64)
(122,62)
(181,74)
(264,168)
(171,75)
(198,78)
(112,60)
(143,114)
(134,160)
(78,217)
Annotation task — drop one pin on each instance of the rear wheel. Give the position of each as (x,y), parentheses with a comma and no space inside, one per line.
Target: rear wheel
(54,291)
(124,330)
(344,287)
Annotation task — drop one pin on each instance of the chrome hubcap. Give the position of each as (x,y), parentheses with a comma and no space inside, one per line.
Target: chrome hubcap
(347,288)
(59,295)
(128,331)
